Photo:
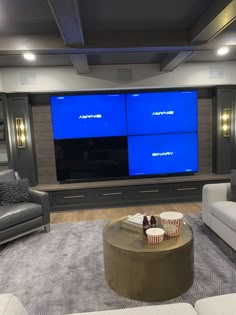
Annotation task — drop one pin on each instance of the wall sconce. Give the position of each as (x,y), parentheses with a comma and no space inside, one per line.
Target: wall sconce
(20,132)
(226,122)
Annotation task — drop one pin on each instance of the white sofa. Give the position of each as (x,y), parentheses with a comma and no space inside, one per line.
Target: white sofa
(218,305)
(218,212)
(10,305)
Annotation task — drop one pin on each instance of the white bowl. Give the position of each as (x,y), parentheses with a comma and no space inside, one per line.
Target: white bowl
(171,222)
(155,235)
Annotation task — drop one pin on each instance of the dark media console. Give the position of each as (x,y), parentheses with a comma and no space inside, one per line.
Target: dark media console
(118,193)
(131,135)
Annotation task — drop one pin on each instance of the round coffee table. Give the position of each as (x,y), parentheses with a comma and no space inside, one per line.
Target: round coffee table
(139,270)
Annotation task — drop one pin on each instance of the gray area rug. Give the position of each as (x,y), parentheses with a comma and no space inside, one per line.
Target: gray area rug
(61,272)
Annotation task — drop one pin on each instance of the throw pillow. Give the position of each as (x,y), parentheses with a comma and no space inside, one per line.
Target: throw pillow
(14,191)
(233,186)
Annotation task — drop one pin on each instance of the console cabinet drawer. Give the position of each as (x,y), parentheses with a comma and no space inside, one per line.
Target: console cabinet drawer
(72,197)
(111,194)
(153,192)
(187,189)
(99,197)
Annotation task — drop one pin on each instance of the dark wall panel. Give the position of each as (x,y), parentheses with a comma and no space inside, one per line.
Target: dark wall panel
(223,147)
(21,159)
(4,144)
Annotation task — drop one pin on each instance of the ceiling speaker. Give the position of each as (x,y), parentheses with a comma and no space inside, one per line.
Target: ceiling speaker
(124,75)
(28,77)
(216,72)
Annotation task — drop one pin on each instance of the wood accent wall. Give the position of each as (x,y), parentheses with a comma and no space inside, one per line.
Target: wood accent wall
(45,154)
(205,135)
(44,146)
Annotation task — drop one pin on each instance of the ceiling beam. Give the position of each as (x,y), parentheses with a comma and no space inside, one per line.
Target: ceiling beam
(51,45)
(55,45)
(220,14)
(67,16)
(80,63)
(172,61)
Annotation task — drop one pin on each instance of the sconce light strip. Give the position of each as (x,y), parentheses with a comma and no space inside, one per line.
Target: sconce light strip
(20,132)
(226,122)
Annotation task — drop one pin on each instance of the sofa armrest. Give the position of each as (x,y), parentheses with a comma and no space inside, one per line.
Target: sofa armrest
(215,192)
(41,197)
(10,305)
(217,305)
(212,193)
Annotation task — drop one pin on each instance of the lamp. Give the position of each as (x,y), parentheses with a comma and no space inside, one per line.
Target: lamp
(226,122)
(20,132)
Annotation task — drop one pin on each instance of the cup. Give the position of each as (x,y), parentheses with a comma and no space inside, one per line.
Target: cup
(155,235)
(171,222)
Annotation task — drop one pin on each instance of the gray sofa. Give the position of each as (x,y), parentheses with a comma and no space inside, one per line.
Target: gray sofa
(18,219)
(217,305)
(218,212)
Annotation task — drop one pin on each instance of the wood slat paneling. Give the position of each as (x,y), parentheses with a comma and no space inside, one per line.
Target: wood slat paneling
(205,135)
(44,146)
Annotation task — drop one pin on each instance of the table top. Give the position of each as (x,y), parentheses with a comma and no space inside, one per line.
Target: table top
(115,234)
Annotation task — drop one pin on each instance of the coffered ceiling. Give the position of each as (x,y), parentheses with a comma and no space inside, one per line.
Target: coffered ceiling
(102,32)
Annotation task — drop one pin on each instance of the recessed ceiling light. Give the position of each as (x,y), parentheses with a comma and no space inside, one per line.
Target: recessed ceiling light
(223,51)
(29,56)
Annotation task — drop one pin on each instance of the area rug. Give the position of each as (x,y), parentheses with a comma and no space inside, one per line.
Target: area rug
(62,272)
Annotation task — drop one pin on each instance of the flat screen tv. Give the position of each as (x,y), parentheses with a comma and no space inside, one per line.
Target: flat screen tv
(109,135)
(165,112)
(163,154)
(85,158)
(88,116)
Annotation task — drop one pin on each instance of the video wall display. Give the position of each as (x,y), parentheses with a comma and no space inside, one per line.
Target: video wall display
(165,112)
(88,116)
(110,135)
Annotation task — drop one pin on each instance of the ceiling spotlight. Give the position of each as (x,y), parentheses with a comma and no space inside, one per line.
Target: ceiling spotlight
(223,51)
(29,56)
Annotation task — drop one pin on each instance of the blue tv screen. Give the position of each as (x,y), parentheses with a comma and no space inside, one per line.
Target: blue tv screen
(161,112)
(163,154)
(110,135)
(88,116)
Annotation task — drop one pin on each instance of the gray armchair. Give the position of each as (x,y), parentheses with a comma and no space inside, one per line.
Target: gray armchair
(18,219)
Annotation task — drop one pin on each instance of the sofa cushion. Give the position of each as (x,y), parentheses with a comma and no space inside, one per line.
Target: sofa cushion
(225,211)
(170,309)
(233,186)
(10,305)
(7,175)
(11,215)
(14,191)
(217,305)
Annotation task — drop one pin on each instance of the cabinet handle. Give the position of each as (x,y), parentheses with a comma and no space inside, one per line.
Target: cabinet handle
(71,197)
(149,191)
(112,194)
(189,188)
